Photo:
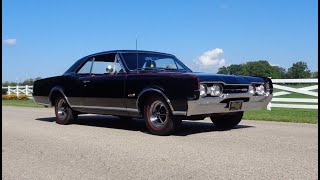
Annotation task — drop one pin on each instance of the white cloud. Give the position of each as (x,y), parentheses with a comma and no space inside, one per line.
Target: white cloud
(210,60)
(10,41)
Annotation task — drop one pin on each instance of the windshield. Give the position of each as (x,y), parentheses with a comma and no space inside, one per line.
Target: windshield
(153,61)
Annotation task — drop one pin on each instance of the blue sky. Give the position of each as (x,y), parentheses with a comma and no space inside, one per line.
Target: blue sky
(44,38)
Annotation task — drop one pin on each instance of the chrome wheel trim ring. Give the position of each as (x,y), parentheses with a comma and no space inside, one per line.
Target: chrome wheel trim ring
(62,109)
(158,114)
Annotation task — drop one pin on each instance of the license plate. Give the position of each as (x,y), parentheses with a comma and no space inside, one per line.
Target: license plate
(235,105)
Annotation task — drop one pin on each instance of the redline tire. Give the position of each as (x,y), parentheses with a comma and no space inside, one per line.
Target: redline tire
(64,114)
(158,117)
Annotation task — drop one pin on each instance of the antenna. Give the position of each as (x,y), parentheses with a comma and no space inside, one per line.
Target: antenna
(137,51)
(136,42)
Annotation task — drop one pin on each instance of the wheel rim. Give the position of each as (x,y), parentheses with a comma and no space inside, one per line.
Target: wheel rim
(158,114)
(62,109)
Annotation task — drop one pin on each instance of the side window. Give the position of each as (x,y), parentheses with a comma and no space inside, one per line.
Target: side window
(85,69)
(101,67)
(104,64)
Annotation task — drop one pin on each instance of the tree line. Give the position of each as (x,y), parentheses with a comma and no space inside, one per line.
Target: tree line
(263,68)
(28,82)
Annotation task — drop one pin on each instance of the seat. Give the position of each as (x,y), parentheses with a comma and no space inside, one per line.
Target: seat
(150,64)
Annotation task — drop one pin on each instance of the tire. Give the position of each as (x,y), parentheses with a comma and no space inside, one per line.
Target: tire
(227,120)
(158,117)
(64,114)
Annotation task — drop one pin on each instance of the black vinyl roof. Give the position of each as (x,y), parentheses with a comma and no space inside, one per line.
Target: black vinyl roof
(130,51)
(75,66)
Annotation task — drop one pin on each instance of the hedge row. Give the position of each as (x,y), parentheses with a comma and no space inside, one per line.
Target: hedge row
(15,97)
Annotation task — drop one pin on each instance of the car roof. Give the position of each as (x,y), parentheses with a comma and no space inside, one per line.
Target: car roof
(129,51)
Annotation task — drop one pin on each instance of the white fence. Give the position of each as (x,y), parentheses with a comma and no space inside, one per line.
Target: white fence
(286,90)
(27,90)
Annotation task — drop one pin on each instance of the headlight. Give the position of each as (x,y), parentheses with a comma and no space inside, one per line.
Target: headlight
(251,89)
(203,90)
(215,90)
(260,89)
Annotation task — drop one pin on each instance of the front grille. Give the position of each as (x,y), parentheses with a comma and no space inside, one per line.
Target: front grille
(229,89)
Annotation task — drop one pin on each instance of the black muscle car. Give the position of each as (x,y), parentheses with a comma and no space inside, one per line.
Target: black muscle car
(155,86)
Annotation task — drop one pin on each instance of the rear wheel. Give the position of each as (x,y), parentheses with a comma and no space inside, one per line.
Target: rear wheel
(64,114)
(158,117)
(227,120)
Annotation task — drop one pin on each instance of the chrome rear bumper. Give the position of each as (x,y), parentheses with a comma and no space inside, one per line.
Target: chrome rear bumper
(209,105)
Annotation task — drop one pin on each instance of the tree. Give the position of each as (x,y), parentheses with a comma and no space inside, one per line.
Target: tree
(235,69)
(314,74)
(278,72)
(223,70)
(298,70)
(25,82)
(257,68)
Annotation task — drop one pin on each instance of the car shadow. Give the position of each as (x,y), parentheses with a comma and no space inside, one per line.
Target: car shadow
(137,124)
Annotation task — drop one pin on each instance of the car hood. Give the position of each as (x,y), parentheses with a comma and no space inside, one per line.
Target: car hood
(227,79)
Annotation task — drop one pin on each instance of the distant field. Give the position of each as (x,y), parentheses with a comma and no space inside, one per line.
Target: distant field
(284,115)
(23,103)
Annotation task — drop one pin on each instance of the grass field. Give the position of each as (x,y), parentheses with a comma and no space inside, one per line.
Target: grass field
(284,115)
(22,103)
(276,114)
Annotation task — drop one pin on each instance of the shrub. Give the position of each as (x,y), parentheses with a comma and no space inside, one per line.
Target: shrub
(15,97)
(22,97)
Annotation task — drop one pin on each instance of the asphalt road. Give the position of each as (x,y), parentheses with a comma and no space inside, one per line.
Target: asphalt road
(105,147)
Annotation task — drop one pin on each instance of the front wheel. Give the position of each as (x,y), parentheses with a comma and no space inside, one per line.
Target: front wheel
(158,117)
(64,114)
(227,120)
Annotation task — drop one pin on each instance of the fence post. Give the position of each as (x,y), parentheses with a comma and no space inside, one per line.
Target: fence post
(269,106)
(9,90)
(17,92)
(27,90)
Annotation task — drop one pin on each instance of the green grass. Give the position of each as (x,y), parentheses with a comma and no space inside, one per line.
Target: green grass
(21,103)
(284,115)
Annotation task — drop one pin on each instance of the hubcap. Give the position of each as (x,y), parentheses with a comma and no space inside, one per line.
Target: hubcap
(62,109)
(158,114)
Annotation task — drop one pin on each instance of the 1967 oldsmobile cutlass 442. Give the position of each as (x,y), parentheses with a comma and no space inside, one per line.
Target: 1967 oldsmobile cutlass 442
(155,86)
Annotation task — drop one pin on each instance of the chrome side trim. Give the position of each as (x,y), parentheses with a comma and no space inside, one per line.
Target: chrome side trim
(44,104)
(132,110)
(107,108)
(160,92)
(42,100)
(57,88)
(181,113)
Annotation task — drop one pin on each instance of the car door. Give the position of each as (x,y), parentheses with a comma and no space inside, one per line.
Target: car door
(76,85)
(104,88)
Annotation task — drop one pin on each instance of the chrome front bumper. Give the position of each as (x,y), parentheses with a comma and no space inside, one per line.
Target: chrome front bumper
(209,105)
